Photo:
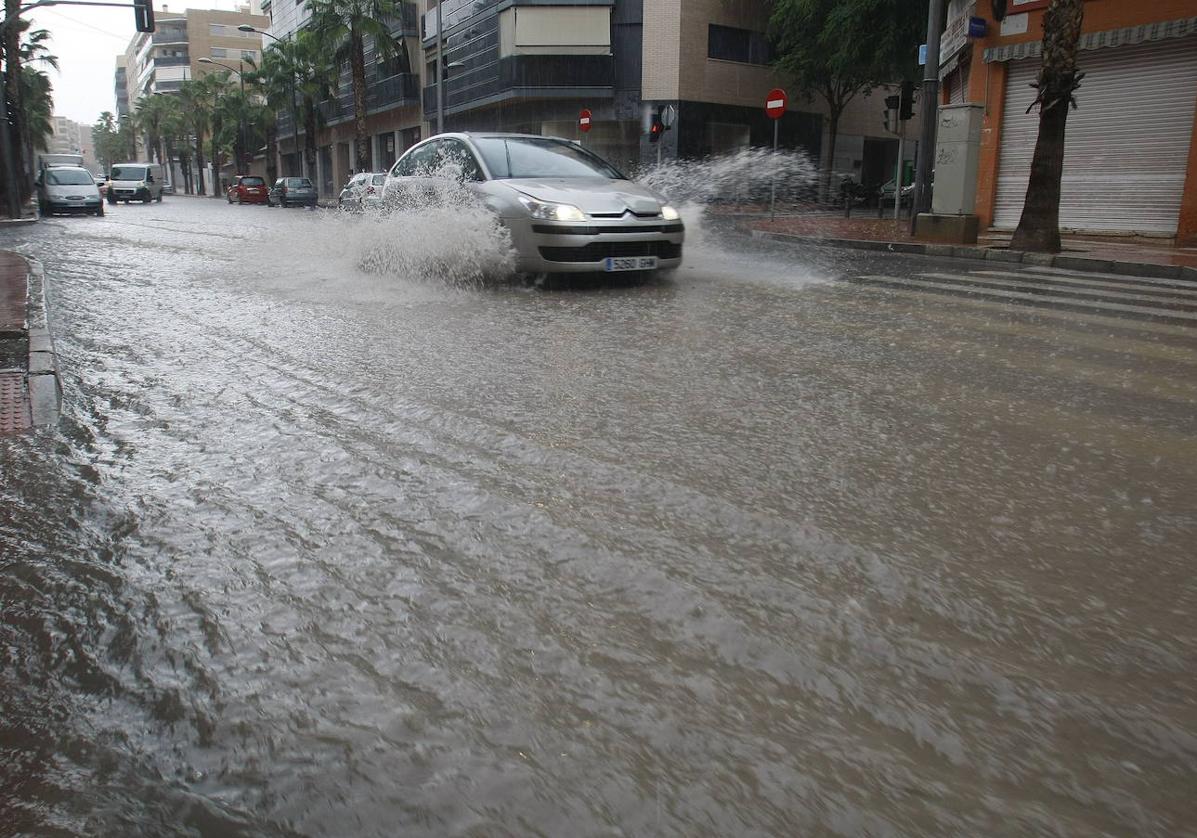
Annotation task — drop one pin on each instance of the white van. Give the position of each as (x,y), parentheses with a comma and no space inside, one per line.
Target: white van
(135,182)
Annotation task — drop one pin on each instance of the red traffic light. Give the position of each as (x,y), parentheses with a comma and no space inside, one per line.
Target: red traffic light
(656,130)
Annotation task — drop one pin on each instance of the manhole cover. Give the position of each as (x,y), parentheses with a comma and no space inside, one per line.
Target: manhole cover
(14,406)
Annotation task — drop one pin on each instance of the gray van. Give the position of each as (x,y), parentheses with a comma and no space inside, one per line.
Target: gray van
(135,182)
(67,189)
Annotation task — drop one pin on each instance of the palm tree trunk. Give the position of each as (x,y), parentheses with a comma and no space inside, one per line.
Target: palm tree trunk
(309,140)
(199,160)
(1039,228)
(358,71)
(271,150)
(12,81)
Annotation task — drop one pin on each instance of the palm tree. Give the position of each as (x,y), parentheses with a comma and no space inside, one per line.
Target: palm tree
(275,79)
(37,103)
(316,72)
(37,109)
(345,25)
(196,104)
(1039,226)
(151,111)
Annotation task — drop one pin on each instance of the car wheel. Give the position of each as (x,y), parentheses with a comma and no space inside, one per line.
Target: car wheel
(228,197)
(159,198)
(100,211)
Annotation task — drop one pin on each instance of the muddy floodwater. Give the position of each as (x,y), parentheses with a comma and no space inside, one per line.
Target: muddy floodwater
(337,537)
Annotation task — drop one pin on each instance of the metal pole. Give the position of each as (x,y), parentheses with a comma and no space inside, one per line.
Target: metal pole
(773,184)
(901,154)
(930,104)
(440,71)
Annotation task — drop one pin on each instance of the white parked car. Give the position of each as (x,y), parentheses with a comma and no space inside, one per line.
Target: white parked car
(567,209)
(363,191)
(135,182)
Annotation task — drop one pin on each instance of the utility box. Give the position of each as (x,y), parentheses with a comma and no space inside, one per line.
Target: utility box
(957,151)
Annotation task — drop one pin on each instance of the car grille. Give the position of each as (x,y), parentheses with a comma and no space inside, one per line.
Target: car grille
(551,230)
(598,251)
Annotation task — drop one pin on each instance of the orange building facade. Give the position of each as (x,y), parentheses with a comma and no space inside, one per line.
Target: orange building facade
(1131,148)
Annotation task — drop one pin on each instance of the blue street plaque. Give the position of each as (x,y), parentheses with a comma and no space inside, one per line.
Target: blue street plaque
(977,27)
(922,55)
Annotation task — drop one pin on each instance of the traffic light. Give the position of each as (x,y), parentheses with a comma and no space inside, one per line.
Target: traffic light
(907,109)
(891,111)
(143,15)
(656,129)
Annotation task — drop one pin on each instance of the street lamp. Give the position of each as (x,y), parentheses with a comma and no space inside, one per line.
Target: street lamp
(245,27)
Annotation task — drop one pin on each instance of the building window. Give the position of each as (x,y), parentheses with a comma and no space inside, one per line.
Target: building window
(727,43)
(220,52)
(217,30)
(249,55)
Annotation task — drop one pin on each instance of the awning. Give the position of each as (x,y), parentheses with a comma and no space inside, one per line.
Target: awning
(1159,31)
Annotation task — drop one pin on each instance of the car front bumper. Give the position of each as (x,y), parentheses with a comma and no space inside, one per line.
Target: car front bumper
(584,247)
(128,194)
(88,205)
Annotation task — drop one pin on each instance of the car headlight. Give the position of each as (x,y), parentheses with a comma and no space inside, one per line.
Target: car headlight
(669,213)
(551,212)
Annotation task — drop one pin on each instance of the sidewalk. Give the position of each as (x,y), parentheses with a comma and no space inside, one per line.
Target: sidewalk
(30,393)
(1128,255)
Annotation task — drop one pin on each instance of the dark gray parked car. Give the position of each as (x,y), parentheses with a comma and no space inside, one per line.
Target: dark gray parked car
(292,192)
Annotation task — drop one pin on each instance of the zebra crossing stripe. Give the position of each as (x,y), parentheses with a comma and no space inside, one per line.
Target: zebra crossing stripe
(1066,319)
(1175,283)
(1101,292)
(1163,293)
(1022,296)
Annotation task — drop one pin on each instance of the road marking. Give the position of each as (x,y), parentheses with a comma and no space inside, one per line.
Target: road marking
(1178,283)
(1098,292)
(1092,283)
(1021,296)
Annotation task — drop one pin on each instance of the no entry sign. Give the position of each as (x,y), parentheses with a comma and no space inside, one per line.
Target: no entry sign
(775,103)
(584,120)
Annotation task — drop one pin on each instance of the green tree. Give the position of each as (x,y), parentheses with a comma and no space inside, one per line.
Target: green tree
(841,49)
(345,25)
(196,102)
(148,119)
(316,74)
(274,78)
(1059,78)
(37,101)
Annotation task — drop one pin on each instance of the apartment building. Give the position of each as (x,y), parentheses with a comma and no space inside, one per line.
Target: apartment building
(394,117)
(1130,158)
(121,86)
(160,61)
(532,65)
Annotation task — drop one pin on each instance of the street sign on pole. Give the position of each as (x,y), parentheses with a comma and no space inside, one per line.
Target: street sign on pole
(584,119)
(775,109)
(775,103)
(668,116)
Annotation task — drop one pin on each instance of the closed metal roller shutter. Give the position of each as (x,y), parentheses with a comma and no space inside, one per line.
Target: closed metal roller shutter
(1127,146)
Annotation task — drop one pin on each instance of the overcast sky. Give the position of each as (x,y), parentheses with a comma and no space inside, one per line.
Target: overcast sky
(87,42)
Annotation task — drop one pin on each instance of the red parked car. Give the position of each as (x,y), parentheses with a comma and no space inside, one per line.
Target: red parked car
(247,189)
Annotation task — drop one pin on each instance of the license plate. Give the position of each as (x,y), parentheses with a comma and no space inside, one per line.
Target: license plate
(252,191)
(630,263)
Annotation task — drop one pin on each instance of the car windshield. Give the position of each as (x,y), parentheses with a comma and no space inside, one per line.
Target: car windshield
(128,172)
(69,177)
(252,181)
(524,157)
(298,181)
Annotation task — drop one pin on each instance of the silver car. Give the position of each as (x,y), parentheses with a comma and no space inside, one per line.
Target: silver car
(363,191)
(568,210)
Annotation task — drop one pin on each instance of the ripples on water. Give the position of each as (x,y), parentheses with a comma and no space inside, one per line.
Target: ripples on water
(670,560)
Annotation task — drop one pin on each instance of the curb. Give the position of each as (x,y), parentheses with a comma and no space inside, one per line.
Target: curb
(41,376)
(1143,270)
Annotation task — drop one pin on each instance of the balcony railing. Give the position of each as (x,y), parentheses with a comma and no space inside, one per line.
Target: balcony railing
(173,35)
(525,73)
(393,91)
(171,61)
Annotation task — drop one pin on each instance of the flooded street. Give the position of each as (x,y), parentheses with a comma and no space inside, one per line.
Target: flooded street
(748,550)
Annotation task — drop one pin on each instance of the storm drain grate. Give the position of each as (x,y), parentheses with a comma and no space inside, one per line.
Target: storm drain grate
(14,407)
